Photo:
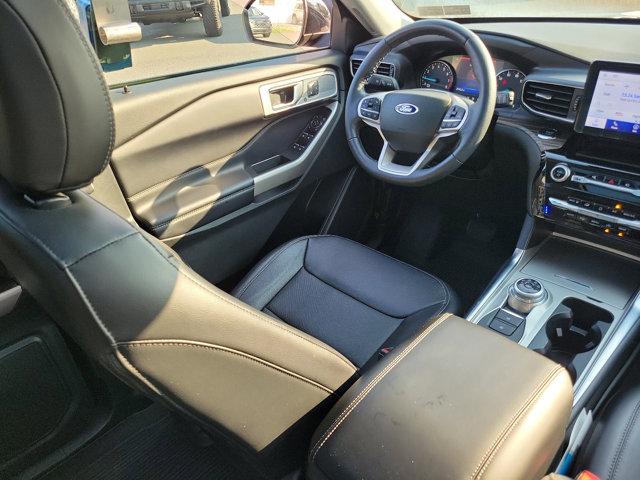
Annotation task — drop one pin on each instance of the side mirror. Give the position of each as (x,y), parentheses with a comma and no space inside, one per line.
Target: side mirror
(288,22)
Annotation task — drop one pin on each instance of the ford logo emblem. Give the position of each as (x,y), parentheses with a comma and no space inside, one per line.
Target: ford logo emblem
(406,109)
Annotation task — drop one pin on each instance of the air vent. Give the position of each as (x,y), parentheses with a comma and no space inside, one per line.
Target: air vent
(355,65)
(548,99)
(386,69)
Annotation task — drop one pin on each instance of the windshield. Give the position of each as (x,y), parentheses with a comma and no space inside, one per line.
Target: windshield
(521,8)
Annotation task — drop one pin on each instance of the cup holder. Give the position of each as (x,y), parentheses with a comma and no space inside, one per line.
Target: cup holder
(573,331)
(565,335)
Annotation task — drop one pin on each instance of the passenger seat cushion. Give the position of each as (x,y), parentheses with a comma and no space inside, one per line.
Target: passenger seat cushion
(349,296)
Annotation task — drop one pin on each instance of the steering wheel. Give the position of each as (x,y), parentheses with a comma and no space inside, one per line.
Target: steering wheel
(416,121)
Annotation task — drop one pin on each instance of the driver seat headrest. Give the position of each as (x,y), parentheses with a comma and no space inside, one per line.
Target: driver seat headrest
(56,119)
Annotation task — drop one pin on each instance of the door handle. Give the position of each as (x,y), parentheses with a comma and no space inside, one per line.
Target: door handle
(295,91)
(285,96)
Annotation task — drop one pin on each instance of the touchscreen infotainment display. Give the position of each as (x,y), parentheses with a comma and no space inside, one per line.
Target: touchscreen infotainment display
(611,104)
(615,104)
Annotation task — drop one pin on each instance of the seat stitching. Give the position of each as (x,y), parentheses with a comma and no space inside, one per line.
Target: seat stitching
(253,277)
(366,304)
(264,318)
(622,443)
(447,293)
(444,288)
(92,309)
(218,201)
(372,384)
(246,356)
(122,358)
(108,244)
(486,459)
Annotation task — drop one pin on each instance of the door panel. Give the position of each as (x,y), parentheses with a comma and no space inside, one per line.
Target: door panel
(208,155)
(204,132)
(149,103)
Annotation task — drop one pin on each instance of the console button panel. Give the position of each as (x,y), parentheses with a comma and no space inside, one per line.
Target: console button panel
(592,198)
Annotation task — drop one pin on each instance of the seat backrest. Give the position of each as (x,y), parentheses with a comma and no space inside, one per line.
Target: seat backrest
(116,290)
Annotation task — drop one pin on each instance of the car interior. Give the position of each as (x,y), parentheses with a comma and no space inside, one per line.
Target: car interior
(406,244)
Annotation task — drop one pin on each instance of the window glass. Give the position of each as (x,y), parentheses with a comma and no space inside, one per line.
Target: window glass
(180,37)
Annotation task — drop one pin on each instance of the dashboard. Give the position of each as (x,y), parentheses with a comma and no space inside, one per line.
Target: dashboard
(583,115)
(538,89)
(455,74)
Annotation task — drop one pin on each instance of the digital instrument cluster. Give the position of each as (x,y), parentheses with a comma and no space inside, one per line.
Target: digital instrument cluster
(455,74)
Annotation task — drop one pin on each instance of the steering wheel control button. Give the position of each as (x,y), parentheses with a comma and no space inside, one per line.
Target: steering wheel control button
(450,124)
(560,173)
(370,108)
(526,294)
(453,118)
(370,114)
(456,112)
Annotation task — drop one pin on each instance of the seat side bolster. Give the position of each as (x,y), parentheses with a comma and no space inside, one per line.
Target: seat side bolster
(271,274)
(158,298)
(201,348)
(255,400)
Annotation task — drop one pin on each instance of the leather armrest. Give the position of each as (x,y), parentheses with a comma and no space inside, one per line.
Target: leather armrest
(458,401)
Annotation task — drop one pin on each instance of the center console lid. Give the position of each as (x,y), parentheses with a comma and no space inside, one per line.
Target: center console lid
(457,402)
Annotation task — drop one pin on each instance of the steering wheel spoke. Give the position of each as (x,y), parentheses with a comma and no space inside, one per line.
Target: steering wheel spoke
(388,155)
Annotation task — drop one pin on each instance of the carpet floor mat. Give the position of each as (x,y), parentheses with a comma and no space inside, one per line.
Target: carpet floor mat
(151,444)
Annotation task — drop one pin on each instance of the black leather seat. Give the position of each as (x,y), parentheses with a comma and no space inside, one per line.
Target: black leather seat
(349,296)
(133,305)
(612,449)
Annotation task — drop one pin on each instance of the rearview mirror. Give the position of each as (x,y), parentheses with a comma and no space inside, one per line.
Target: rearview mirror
(288,22)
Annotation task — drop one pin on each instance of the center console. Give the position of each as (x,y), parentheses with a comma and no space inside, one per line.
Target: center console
(561,299)
(571,291)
